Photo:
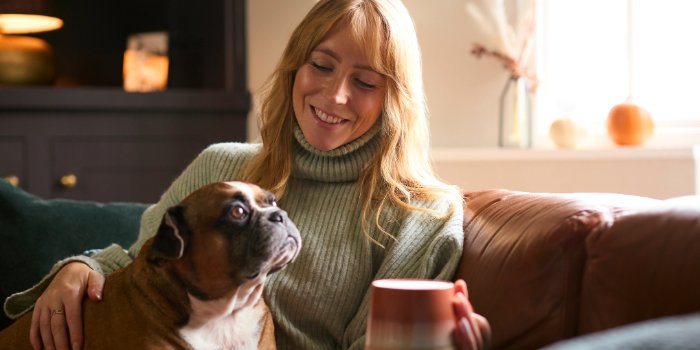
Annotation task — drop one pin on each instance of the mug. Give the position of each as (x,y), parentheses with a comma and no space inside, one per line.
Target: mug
(410,314)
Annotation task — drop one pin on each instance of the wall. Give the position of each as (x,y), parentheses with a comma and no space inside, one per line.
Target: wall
(269,25)
(463,92)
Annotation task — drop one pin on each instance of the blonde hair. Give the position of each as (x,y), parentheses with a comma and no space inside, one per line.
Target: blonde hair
(402,169)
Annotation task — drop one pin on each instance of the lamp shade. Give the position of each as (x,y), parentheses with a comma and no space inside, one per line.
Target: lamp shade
(26,60)
(27,16)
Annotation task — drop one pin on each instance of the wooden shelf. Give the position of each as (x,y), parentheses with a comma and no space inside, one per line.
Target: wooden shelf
(116,99)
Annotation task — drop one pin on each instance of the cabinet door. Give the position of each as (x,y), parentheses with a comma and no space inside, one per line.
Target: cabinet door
(12,160)
(120,169)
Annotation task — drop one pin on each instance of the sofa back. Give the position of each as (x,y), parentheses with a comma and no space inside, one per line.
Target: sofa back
(547,267)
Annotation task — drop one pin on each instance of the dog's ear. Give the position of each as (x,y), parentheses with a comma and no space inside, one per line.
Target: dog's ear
(172,237)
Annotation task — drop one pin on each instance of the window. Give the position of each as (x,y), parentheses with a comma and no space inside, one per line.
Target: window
(583,61)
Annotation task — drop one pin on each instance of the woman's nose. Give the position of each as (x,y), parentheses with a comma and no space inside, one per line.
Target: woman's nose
(338,90)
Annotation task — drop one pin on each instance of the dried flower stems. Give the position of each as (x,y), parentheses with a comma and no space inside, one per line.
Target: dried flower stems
(512,49)
(509,63)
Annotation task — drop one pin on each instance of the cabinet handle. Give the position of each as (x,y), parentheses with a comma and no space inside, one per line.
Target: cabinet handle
(12,179)
(69,181)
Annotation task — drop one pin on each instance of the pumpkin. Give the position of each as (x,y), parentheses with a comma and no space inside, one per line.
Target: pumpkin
(629,124)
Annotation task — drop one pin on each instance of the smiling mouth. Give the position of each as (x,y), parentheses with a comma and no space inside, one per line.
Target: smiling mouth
(327,118)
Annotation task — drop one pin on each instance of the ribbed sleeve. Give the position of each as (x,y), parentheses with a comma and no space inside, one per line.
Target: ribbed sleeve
(21,303)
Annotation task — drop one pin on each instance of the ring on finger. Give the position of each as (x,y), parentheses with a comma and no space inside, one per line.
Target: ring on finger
(56,312)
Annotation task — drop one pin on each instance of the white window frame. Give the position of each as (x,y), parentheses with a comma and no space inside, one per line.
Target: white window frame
(667,133)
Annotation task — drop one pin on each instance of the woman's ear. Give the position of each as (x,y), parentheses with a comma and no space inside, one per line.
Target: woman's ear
(172,237)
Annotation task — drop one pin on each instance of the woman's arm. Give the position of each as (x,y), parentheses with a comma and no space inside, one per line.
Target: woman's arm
(427,248)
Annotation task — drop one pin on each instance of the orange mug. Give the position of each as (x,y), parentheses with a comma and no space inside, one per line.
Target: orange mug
(410,314)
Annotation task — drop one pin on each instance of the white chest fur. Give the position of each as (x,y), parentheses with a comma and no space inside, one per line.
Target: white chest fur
(227,323)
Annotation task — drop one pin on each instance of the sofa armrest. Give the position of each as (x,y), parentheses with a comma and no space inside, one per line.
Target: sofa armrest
(525,256)
(646,265)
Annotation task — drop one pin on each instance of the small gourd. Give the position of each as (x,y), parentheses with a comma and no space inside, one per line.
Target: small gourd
(567,133)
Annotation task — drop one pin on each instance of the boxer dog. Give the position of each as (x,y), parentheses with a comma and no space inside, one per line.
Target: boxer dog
(198,283)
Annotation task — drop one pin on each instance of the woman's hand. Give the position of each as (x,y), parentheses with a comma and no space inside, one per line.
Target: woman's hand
(473,331)
(65,293)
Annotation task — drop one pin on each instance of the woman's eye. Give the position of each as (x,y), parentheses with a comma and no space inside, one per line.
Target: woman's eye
(238,212)
(366,85)
(255,275)
(319,67)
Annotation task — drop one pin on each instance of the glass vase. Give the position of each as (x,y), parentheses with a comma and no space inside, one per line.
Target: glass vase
(515,119)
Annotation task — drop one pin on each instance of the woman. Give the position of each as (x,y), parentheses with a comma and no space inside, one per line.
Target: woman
(345,141)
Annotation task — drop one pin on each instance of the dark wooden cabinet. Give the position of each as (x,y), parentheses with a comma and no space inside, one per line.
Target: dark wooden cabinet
(124,146)
(12,154)
(119,168)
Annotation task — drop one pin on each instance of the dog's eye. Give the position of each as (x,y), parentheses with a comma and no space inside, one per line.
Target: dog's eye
(238,212)
(273,203)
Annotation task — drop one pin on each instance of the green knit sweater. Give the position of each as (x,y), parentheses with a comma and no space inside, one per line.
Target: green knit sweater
(320,301)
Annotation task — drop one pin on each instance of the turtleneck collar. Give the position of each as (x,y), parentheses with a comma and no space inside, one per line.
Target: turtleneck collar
(342,164)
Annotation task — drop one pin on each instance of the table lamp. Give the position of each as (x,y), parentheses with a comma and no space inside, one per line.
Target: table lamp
(26,60)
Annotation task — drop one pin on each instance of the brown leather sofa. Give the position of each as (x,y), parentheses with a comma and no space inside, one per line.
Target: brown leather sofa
(547,267)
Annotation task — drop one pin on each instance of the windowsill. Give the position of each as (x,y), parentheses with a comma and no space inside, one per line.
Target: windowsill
(550,154)
(643,171)
(670,136)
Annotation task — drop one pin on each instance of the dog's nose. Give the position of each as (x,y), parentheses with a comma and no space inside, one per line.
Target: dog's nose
(277,216)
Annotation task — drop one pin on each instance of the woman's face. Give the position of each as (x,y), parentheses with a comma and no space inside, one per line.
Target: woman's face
(337,96)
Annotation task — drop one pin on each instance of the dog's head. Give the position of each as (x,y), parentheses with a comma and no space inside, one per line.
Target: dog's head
(224,239)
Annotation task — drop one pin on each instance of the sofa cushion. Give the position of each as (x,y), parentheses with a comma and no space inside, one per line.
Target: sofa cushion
(666,333)
(36,233)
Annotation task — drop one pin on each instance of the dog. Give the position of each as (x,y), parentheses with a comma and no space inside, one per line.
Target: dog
(197,283)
